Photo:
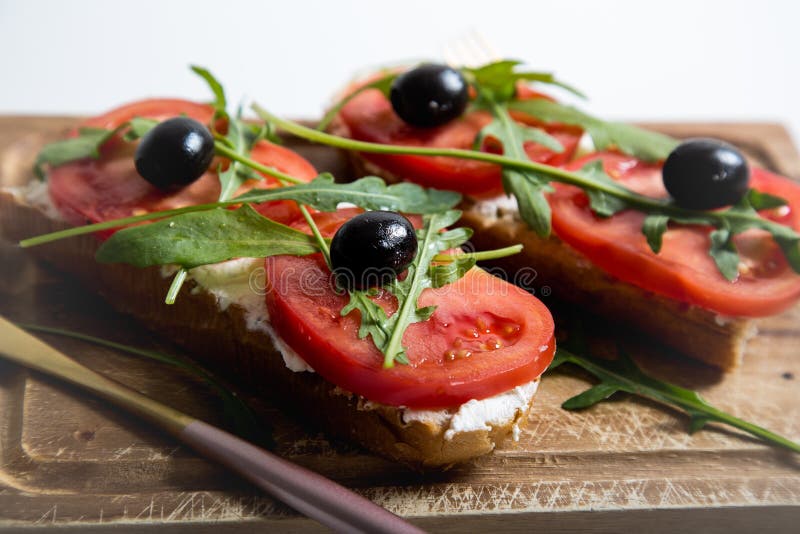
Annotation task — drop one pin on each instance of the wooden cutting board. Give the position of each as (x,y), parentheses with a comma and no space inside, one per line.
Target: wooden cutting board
(68,460)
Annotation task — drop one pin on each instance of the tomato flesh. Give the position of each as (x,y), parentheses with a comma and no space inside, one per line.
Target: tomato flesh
(89,191)
(370,117)
(683,269)
(486,336)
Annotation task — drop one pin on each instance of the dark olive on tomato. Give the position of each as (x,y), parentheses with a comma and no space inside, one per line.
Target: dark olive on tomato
(372,248)
(429,95)
(174,153)
(704,174)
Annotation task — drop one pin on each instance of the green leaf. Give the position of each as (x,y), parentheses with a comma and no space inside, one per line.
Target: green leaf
(528,187)
(369,192)
(602,202)
(530,191)
(500,79)
(220,103)
(791,250)
(232,178)
(442,275)
(590,397)
(86,145)
(724,253)
(653,229)
(138,128)
(763,201)
(387,332)
(629,139)
(374,321)
(204,237)
(624,375)
(519,132)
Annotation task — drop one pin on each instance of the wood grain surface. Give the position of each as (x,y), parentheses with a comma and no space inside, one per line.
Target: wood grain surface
(71,462)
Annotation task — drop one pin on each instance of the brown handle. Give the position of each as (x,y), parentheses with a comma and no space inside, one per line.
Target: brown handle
(307,492)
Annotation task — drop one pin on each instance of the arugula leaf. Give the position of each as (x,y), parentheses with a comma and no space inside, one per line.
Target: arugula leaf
(643,144)
(86,145)
(387,331)
(232,178)
(519,131)
(500,79)
(727,223)
(528,186)
(724,253)
(601,202)
(653,229)
(529,189)
(138,128)
(220,102)
(763,201)
(370,193)
(624,375)
(201,238)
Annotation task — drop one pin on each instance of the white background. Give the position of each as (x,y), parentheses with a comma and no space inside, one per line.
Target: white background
(678,60)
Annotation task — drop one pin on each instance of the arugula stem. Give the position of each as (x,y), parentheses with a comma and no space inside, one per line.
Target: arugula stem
(321,241)
(175,287)
(265,196)
(480,256)
(644,203)
(394,345)
(224,150)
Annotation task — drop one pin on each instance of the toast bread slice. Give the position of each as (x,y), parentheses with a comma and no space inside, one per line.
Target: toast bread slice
(693,331)
(221,339)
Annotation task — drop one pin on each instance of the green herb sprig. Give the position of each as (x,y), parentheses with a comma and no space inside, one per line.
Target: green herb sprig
(495,85)
(205,234)
(623,375)
(387,331)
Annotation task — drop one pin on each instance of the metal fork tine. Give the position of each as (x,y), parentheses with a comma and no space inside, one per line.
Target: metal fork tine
(471,49)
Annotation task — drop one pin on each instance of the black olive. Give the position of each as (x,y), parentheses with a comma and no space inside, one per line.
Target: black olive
(372,248)
(429,95)
(704,174)
(174,153)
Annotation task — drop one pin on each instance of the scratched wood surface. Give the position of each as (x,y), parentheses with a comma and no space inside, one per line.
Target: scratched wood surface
(70,461)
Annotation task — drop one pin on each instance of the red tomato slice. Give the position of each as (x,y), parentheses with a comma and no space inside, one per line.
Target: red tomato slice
(89,191)
(683,269)
(370,117)
(486,336)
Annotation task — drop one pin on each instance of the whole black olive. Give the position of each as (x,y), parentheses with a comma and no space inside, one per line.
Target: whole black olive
(429,95)
(174,153)
(704,174)
(372,248)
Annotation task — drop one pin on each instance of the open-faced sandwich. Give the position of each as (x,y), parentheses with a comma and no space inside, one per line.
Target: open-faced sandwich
(372,324)
(681,240)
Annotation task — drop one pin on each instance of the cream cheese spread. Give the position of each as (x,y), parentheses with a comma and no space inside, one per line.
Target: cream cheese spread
(37,195)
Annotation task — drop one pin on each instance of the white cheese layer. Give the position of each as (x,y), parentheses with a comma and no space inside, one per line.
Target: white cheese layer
(479,414)
(240,282)
(37,195)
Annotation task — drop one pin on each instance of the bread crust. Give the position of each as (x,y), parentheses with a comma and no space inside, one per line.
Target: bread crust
(221,340)
(693,331)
